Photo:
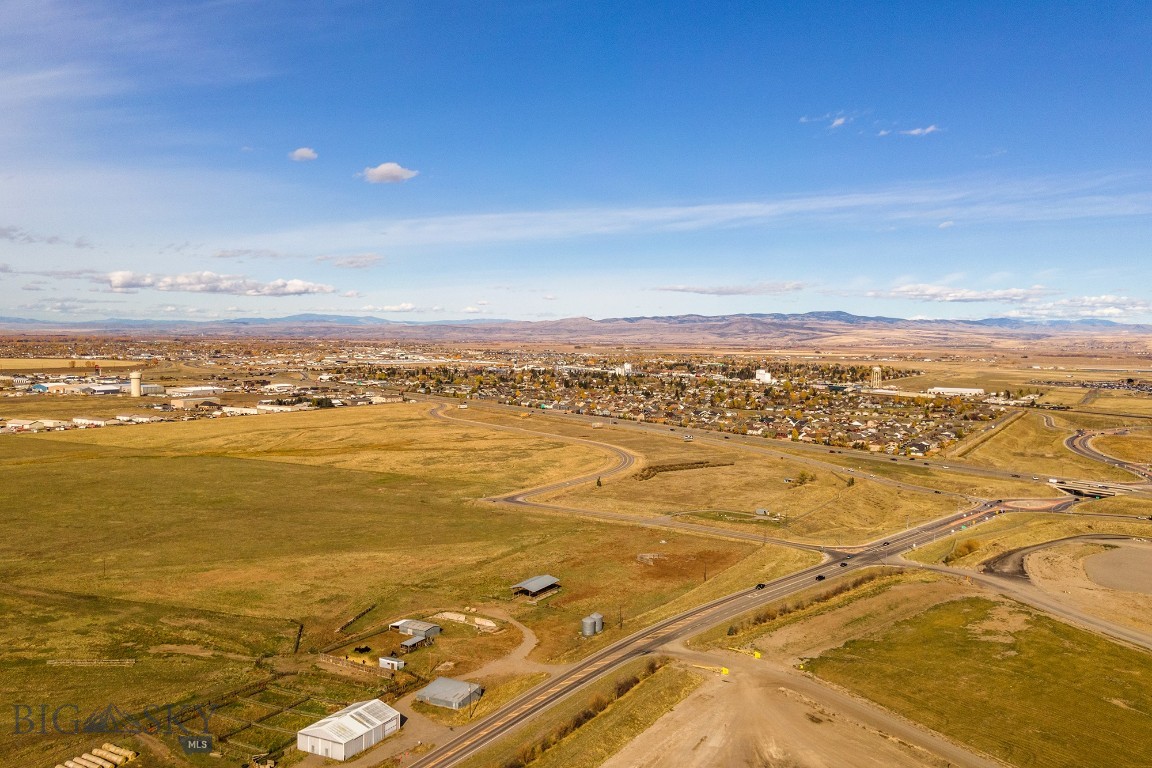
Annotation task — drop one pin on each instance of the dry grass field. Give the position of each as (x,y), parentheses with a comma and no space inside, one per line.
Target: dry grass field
(835,506)
(1013,683)
(62,365)
(1113,401)
(65,407)
(1030,445)
(1022,529)
(1135,446)
(194,548)
(830,507)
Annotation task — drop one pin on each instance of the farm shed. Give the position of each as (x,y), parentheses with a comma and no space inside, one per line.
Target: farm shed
(536,585)
(415,628)
(449,693)
(413,643)
(349,731)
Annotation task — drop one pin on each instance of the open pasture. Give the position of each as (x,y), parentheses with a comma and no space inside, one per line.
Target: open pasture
(1136,446)
(1016,684)
(212,539)
(1034,443)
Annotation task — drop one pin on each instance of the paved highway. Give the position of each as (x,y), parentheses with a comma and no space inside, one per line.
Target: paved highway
(691,622)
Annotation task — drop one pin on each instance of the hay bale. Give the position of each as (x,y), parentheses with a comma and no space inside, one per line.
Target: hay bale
(112,756)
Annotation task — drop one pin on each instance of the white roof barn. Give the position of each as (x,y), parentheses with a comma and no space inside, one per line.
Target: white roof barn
(349,731)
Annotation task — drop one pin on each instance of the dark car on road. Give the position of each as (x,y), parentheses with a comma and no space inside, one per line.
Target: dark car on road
(761,586)
(820,577)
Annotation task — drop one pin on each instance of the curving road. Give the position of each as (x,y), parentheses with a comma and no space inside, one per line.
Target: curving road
(1081,443)
(695,620)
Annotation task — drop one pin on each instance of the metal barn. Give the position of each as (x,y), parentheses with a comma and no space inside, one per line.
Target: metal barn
(449,693)
(349,731)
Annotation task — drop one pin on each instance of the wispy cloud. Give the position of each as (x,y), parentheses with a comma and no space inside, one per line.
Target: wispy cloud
(24,237)
(974,201)
(303,154)
(210,282)
(946,225)
(754,289)
(920,131)
(387,173)
(831,120)
(247,253)
(358,261)
(947,293)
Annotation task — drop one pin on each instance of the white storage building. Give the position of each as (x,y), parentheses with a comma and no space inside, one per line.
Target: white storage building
(349,731)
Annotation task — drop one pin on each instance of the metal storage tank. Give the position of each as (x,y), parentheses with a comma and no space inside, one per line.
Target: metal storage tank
(588,626)
(599,621)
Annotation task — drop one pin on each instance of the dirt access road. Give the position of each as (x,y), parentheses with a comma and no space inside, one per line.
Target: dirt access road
(767,715)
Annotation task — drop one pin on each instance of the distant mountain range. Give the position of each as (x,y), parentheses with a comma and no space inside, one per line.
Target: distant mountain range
(830,329)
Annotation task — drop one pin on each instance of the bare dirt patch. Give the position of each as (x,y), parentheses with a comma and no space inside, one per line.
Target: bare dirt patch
(1127,568)
(1001,626)
(751,720)
(1060,571)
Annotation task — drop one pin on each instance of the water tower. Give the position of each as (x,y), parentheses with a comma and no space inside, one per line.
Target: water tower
(134,378)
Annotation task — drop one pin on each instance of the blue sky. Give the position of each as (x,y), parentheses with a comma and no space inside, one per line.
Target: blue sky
(536,160)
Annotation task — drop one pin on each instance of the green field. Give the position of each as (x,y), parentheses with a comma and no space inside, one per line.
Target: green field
(1013,683)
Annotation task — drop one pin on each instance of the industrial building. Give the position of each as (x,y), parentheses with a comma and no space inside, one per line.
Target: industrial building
(956,391)
(349,731)
(416,628)
(536,586)
(449,693)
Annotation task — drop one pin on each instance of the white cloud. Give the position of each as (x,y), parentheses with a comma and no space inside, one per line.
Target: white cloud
(472,310)
(303,154)
(1107,306)
(387,173)
(920,131)
(210,282)
(947,293)
(549,297)
(405,307)
(833,119)
(946,225)
(754,289)
(357,261)
(884,132)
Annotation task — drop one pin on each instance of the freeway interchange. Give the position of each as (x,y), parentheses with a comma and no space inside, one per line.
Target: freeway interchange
(835,562)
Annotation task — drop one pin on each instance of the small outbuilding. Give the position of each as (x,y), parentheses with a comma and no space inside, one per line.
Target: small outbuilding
(392,663)
(349,731)
(449,693)
(416,628)
(536,586)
